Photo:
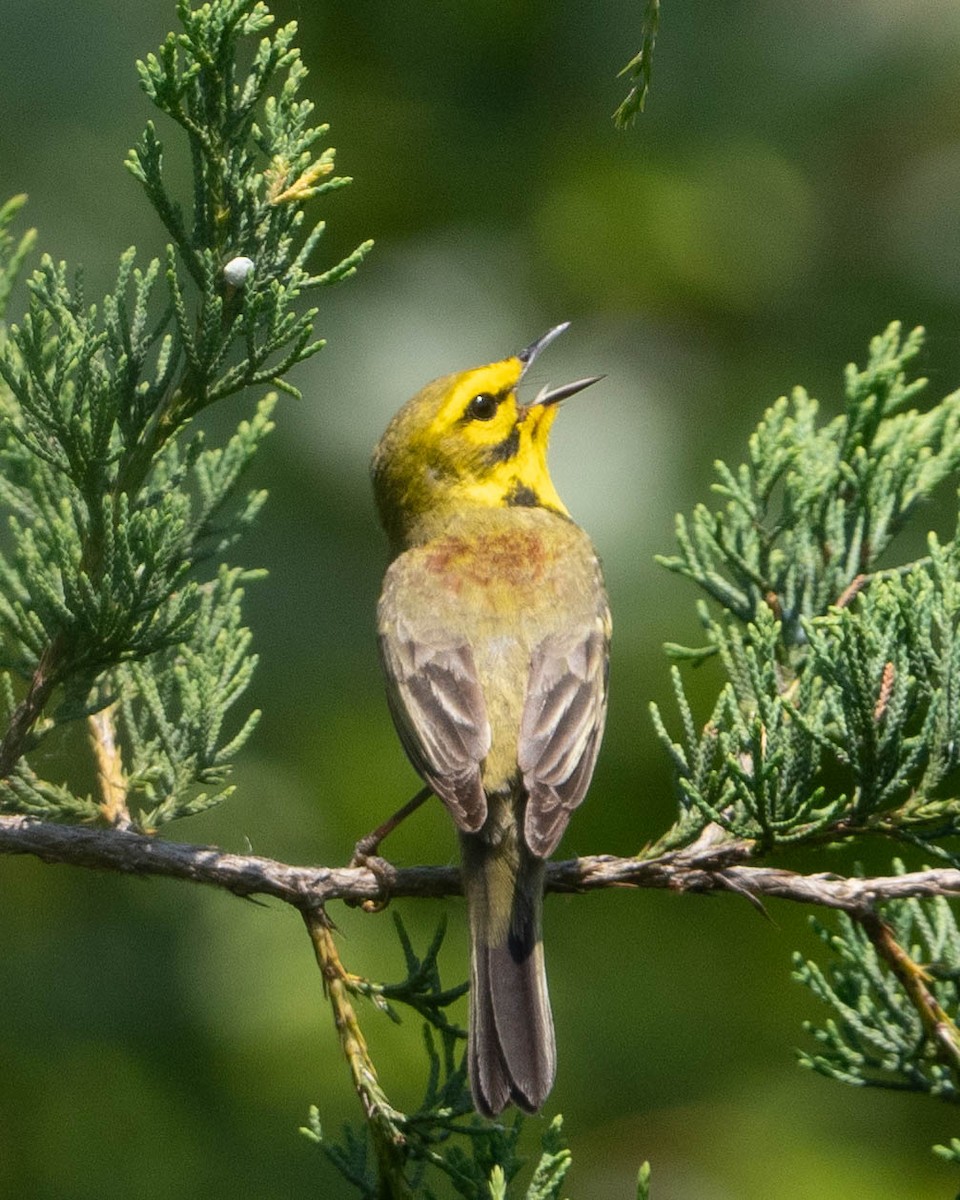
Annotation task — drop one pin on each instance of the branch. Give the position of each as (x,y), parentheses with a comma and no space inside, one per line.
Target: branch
(382,1119)
(712,864)
(111,779)
(939,1026)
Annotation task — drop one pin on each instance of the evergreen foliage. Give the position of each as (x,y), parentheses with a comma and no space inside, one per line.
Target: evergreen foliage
(12,252)
(114,599)
(639,69)
(838,714)
(877,1037)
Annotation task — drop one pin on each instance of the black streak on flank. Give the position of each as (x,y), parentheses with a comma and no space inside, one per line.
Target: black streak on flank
(521,496)
(505,450)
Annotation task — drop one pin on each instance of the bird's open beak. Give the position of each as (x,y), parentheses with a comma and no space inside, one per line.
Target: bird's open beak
(548,395)
(530,353)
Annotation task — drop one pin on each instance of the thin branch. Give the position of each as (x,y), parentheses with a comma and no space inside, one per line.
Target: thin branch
(45,679)
(383,1120)
(712,864)
(939,1026)
(111,777)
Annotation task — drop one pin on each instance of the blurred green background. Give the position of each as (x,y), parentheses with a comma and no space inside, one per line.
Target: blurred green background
(792,187)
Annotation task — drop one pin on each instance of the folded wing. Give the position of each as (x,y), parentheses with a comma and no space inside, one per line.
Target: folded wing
(561,728)
(440,715)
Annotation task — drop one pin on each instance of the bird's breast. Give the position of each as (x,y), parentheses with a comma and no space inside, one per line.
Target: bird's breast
(506,563)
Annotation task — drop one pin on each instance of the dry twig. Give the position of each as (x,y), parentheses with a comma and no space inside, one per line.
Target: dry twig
(712,864)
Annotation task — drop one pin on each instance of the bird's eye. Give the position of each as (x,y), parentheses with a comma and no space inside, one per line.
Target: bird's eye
(482,407)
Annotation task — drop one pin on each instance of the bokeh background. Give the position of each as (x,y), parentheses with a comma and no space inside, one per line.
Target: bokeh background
(791,188)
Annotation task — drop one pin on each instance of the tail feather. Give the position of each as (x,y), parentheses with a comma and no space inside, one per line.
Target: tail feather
(511,1051)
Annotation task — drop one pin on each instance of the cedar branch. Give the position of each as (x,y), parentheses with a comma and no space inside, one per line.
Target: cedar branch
(939,1026)
(383,1120)
(712,864)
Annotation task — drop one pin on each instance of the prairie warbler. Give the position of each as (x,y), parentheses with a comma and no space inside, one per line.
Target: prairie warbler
(494,631)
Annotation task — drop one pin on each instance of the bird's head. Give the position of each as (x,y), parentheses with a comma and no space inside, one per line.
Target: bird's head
(465,441)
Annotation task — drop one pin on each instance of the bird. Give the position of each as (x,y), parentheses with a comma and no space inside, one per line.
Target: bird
(494,631)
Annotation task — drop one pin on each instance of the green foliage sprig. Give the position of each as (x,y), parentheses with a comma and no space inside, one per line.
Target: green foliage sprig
(639,69)
(839,711)
(13,253)
(113,596)
(877,1037)
(481,1169)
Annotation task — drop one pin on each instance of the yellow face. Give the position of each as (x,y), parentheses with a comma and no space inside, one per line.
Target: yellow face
(496,448)
(465,440)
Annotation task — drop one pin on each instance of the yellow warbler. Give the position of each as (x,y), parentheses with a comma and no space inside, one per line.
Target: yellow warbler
(494,630)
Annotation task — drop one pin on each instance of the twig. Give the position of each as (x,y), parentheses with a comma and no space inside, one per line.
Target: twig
(709,865)
(853,589)
(111,778)
(27,713)
(938,1025)
(382,1119)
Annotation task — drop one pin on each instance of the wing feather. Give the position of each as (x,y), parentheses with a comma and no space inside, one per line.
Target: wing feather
(440,714)
(561,728)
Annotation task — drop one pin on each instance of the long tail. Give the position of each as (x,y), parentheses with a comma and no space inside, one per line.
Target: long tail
(511,1053)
